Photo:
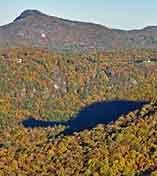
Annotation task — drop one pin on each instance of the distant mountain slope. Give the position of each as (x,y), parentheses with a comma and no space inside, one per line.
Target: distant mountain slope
(35,29)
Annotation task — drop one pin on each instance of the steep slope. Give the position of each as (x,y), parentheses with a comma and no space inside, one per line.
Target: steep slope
(50,86)
(126,147)
(35,29)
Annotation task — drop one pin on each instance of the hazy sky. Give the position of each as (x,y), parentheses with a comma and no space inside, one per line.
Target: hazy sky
(123,14)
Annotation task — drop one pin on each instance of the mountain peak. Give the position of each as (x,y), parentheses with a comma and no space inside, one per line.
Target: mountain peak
(29,12)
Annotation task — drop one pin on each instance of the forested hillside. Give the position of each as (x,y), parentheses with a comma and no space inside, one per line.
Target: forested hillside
(59,87)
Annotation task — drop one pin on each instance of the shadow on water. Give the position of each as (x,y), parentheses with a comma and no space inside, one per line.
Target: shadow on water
(90,116)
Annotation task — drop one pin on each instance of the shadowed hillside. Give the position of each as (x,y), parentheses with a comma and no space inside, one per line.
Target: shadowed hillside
(60,91)
(125,147)
(89,117)
(55,87)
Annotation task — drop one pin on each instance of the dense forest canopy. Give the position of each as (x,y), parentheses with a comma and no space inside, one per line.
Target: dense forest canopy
(57,87)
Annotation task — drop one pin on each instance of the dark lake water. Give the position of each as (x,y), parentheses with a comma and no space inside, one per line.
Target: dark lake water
(90,116)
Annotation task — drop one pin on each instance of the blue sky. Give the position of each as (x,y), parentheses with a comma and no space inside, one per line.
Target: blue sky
(123,14)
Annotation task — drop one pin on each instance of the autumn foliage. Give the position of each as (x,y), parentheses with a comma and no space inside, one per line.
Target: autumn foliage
(52,86)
